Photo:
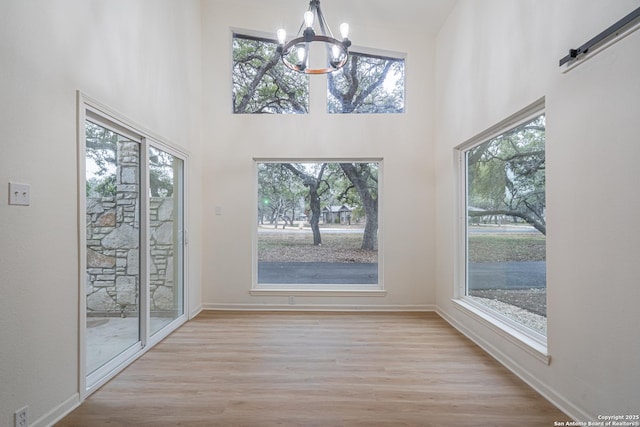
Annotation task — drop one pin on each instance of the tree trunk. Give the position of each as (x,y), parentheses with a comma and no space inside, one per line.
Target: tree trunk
(314,198)
(370,238)
(314,204)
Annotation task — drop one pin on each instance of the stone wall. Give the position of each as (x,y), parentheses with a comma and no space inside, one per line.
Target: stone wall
(162,276)
(113,257)
(113,246)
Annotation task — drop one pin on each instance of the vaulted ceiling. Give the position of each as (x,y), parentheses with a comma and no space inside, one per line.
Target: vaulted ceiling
(425,15)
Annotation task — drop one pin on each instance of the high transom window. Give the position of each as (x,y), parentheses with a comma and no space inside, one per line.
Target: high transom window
(261,82)
(367,84)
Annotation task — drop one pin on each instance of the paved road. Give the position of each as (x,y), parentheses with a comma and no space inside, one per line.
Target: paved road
(317,273)
(508,275)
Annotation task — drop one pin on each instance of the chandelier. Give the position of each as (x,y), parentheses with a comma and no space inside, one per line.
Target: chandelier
(296,53)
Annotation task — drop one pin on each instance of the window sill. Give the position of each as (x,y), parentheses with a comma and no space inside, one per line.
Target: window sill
(317,290)
(525,341)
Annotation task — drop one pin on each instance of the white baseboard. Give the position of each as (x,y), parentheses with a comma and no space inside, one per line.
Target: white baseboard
(195,312)
(508,362)
(57,413)
(319,307)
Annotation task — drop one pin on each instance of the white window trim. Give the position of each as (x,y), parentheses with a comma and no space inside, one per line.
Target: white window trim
(527,339)
(523,338)
(329,290)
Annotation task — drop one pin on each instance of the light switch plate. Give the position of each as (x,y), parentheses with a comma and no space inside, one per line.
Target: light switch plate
(19,194)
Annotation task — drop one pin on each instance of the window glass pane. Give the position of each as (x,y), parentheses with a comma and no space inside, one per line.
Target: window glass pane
(165,246)
(367,84)
(506,226)
(318,223)
(262,83)
(113,244)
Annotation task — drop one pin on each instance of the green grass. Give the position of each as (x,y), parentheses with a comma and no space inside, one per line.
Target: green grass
(283,240)
(506,248)
(292,246)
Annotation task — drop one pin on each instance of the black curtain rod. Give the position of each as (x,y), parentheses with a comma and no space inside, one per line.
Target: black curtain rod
(573,53)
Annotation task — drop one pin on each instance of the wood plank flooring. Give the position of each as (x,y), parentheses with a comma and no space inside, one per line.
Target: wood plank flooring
(315,369)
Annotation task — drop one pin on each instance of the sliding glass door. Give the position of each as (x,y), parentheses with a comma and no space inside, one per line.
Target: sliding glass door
(113,274)
(166,238)
(133,243)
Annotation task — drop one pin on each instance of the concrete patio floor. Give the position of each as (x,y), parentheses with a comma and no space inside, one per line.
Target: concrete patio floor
(109,336)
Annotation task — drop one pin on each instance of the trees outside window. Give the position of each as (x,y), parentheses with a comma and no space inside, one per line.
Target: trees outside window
(318,222)
(367,84)
(506,223)
(261,82)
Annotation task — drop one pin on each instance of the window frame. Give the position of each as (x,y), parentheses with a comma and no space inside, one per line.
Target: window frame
(525,338)
(292,290)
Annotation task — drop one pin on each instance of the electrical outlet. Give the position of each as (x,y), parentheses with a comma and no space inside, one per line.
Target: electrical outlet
(292,300)
(19,194)
(21,419)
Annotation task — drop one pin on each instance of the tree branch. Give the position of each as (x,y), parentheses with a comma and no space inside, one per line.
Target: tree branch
(538,225)
(241,108)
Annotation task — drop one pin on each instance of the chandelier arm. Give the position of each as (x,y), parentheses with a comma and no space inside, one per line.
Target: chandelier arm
(302,24)
(325,39)
(307,36)
(324,27)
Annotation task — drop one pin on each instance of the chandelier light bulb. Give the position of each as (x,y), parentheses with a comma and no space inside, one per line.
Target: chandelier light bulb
(344,30)
(308,19)
(335,50)
(282,36)
(302,52)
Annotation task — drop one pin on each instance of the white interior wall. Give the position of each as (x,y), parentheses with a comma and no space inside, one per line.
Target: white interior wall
(141,58)
(495,58)
(404,141)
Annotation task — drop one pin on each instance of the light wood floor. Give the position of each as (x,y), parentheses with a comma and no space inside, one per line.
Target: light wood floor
(315,369)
